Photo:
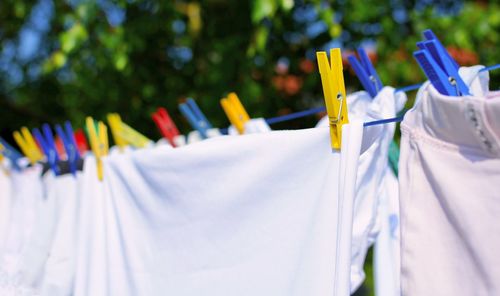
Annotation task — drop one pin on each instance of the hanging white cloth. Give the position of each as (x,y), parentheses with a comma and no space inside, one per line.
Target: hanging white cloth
(256,215)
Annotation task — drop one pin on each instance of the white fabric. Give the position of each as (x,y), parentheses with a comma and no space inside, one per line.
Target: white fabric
(254,215)
(449,172)
(194,136)
(91,251)
(59,265)
(26,192)
(38,246)
(386,256)
(253,126)
(478,82)
(371,185)
(351,146)
(372,174)
(179,141)
(5,206)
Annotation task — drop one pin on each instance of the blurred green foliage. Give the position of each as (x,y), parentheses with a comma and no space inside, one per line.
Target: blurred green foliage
(95,57)
(64,60)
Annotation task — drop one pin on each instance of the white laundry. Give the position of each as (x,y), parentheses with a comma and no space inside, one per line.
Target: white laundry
(91,250)
(386,255)
(449,176)
(26,193)
(59,266)
(253,126)
(194,136)
(254,215)
(372,172)
(5,206)
(179,141)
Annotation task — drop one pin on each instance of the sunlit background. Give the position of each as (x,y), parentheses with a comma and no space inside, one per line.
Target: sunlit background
(64,60)
(68,59)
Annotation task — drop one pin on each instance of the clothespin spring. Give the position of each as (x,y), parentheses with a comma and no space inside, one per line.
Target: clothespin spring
(374,80)
(341,99)
(453,82)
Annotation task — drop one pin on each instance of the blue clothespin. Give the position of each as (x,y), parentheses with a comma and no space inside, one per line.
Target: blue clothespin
(441,56)
(366,72)
(420,45)
(440,67)
(11,153)
(429,35)
(195,117)
(435,74)
(48,146)
(69,142)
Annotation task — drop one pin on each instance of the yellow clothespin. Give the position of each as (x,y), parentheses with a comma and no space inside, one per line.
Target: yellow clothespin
(28,145)
(133,137)
(332,79)
(115,122)
(235,112)
(124,134)
(98,143)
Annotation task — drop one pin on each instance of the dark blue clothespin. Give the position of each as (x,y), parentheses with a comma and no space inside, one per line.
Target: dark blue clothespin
(48,146)
(439,66)
(435,74)
(366,73)
(195,117)
(11,153)
(69,142)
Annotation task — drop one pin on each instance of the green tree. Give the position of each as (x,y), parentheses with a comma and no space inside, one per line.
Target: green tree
(94,57)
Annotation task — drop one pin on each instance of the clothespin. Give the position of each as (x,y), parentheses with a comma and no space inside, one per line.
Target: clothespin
(115,123)
(81,141)
(166,125)
(439,66)
(235,112)
(434,72)
(48,146)
(332,80)
(195,117)
(11,153)
(69,142)
(28,145)
(429,35)
(99,143)
(124,134)
(366,72)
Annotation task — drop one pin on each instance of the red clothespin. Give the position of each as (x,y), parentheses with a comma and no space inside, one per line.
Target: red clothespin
(166,125)
(81,141)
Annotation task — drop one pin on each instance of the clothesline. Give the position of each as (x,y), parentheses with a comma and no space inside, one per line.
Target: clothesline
(316,110)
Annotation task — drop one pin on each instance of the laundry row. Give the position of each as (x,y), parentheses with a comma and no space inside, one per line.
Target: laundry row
(272,212)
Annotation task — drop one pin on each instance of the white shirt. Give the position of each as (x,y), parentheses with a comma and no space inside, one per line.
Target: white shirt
(449,176)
